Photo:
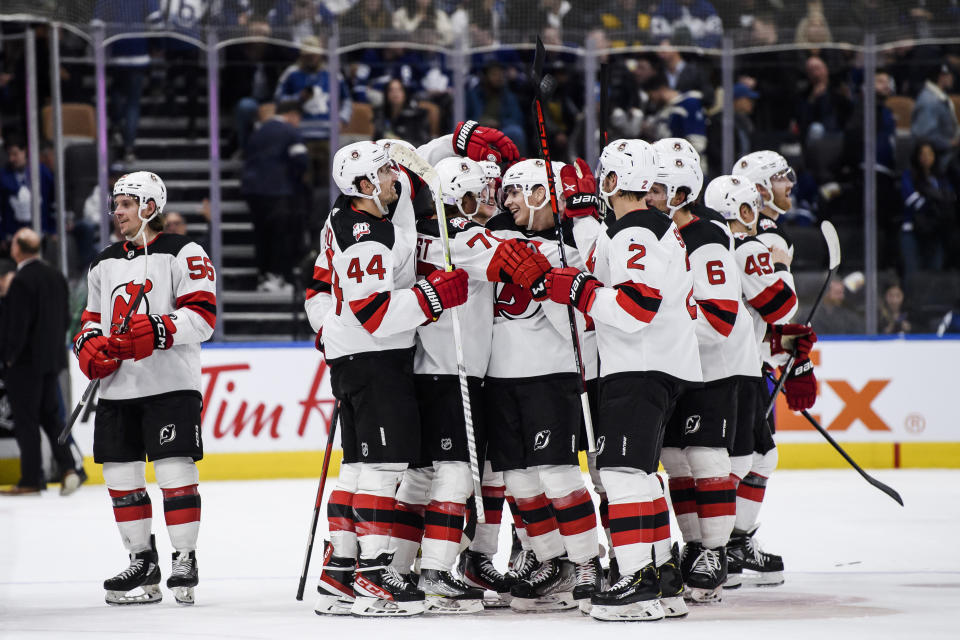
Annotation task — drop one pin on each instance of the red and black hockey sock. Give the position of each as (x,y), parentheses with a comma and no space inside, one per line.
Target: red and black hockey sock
(340,523)
(683,496)
(181,510)
(634,528)
(540,525)
(486,535)
(577,521)
(374,516)
(406,534)
(603,509)
(441,539)
(518,525)
(661,530)
(716,509)
(750,494)
(134,515)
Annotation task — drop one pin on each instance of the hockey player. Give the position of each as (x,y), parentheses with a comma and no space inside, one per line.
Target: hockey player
(774,180)
(645,319)
(150,399)
(368,335)
(701,430)
(771,300)
(533,409)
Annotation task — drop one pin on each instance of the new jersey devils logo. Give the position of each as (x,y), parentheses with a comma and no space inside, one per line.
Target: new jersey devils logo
(541,440)
(513,302)
(123,296)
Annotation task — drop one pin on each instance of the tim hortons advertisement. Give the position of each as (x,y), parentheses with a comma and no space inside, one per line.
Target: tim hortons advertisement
(278,398)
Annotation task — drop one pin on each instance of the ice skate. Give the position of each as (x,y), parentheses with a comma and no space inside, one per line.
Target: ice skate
(478,571)
(335,589)
(550,588)
(671,587)
(382,592)
(143,574)
(750,565)
(634,597)
(589,580)
(445,594)
(183,577)
(688,556)
(522,565)
(704,582)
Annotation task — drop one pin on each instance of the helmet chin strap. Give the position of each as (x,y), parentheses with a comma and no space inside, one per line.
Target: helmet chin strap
(533,209)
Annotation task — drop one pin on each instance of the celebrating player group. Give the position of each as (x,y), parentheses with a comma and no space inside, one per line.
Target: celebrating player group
(634,309)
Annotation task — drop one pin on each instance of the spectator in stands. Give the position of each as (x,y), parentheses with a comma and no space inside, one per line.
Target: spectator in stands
(835,314)
(893,317)
(626,22)
(15,209)
(421,21)
(813,27)
(744,99)
(274,162)
(248,77)
(129,60)
(934,118)
(174,223)
(301,19)
(699,17)
(929,212)
(772,74)
(182,58)
(685,75)
(400,117)
(677,115)
(368,17)
(309,83)
(491,103)
(825,108)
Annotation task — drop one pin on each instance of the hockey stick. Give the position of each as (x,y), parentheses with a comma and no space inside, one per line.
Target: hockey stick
(866,476)
(545,87)
(409,159)
(604,136)
(92,387)
(833,250)
(319,500)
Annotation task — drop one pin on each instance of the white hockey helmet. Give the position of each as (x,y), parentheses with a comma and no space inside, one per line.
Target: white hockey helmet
(144,186)
(678,169)
(680,146)
(491,172)
(386,142)
(527,175)
(763,167)
(634,162)
(725,194)
(360,160)
(458,177)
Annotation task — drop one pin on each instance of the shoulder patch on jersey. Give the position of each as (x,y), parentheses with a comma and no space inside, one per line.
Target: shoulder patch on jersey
(653,219)
(701,232)
(431,226)
(351,226)
(766,224)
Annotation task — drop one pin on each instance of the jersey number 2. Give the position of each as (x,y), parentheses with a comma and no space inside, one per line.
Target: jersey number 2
(634,261)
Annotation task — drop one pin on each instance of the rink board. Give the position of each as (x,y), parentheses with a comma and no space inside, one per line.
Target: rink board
(268,408)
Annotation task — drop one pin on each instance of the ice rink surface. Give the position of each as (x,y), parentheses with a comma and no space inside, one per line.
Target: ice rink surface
(858,566)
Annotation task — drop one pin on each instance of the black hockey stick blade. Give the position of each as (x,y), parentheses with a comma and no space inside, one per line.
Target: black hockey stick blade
(604,102)
(866,476)
(539,57)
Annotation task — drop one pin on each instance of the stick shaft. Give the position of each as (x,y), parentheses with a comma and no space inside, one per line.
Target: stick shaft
(319,500)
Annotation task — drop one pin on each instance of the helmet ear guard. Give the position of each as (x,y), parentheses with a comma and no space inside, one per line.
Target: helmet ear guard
(527,175)
(144,186)
(763,168)
(726,194)
(635,164)
(361,160)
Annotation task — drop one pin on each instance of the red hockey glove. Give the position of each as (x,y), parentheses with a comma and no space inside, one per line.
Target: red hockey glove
(572,286)
(90,348)
(144,334)
(441,290)
(797,339)
(580,190)
(483,143)
(518,262)
(801,386)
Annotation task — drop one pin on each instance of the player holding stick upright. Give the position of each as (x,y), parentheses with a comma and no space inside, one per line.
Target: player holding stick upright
(150,406)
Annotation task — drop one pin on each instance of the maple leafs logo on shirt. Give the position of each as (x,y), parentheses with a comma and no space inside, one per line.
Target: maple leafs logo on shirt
(361,229)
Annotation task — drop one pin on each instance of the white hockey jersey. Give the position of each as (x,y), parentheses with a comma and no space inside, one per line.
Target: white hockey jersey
(724,328)
(471,249)
(371,264)
(181,283)
(645,314)
(767,288)
(530,338)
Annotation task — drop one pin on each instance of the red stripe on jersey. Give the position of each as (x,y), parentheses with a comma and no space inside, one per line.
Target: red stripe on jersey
(774,302)
(321,274)
(203,303)
(89,316)
(321,282)
(721,314)
(639,300)
(371,310)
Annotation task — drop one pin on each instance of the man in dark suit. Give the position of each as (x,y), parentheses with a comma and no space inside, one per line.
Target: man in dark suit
(33,327)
